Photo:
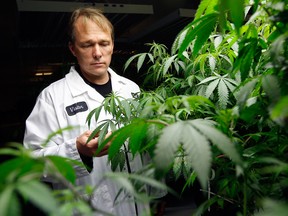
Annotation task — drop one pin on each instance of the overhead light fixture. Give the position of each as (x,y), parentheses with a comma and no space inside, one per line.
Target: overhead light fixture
(68,6)
(43,73)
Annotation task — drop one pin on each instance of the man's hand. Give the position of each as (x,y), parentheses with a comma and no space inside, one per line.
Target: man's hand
(88,149)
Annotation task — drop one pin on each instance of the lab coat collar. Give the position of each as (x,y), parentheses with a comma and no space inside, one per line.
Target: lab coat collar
(78,86)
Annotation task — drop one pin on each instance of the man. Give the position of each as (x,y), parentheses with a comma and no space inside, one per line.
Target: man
(68,101)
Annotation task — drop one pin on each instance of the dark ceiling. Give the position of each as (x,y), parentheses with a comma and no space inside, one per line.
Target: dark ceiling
(42,24)
(33,41)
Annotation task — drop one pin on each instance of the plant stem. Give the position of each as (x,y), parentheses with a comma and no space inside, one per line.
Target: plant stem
(158,122)
(245,197)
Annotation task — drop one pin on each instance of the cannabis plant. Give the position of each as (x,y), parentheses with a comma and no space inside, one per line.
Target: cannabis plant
(224,78)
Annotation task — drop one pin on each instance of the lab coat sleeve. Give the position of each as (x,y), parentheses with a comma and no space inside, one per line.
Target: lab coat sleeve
(43,122)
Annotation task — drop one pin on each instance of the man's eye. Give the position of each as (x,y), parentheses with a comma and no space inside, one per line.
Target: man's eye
(86,45)
(105,44)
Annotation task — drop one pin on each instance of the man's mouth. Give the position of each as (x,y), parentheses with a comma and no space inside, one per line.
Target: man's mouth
(98,63)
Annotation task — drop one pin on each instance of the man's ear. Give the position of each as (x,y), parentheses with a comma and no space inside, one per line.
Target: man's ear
(72,48)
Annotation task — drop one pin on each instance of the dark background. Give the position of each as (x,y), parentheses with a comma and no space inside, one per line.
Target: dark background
(33,40)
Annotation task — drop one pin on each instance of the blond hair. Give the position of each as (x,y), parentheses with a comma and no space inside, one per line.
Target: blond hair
(94,14)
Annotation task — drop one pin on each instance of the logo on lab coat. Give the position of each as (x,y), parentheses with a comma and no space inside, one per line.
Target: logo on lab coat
(76,108)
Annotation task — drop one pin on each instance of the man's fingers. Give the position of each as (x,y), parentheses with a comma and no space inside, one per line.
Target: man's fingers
(101,153)
(108,134)
(91,147)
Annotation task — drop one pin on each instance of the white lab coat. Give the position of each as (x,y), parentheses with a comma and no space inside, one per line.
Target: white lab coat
(50,114)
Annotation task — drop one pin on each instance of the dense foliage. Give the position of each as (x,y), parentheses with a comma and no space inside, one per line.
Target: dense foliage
(229,67)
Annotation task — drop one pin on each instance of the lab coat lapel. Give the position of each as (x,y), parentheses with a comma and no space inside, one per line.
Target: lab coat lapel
(117,83)
(78,86)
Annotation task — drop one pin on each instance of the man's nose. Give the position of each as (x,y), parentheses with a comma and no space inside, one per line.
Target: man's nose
(97,51)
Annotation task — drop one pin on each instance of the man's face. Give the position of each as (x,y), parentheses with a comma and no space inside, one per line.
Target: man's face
(93,49)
